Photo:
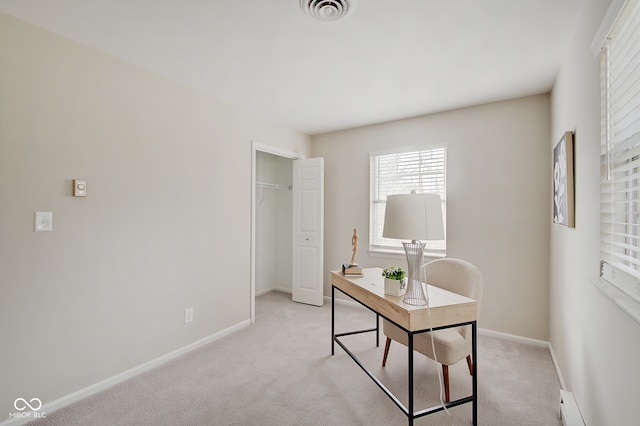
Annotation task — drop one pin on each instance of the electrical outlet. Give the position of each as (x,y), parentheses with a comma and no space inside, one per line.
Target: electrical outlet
(188,315)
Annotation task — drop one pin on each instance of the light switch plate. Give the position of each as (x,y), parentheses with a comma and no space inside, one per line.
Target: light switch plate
(43,222)
(79,188)
(188,315)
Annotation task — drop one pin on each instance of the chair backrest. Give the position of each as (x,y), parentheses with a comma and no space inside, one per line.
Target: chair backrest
(455,275)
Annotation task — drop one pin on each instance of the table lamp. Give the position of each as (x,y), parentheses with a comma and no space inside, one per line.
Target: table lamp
(414,217)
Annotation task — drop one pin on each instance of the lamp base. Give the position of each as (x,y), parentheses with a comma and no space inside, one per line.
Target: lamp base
(415,293)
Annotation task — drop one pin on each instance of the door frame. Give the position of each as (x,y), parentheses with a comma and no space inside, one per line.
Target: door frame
(268,149)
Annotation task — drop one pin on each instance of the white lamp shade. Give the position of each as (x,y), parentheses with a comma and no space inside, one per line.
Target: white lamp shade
(413,217)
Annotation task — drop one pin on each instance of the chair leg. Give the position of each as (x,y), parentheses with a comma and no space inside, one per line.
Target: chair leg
(470,364)
(386,351)
(445,376)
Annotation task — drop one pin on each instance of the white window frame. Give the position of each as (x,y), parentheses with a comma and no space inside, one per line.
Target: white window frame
(381,246)
(620,153)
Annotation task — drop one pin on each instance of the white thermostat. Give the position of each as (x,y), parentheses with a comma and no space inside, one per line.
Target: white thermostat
(79,188)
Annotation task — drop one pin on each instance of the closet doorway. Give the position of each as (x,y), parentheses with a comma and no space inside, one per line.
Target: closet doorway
(287,219)
(271,248)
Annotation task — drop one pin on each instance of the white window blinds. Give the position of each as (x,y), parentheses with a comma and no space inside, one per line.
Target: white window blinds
(400,173)
(620,171)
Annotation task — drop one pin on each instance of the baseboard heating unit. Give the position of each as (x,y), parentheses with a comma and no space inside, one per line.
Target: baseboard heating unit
(569,411)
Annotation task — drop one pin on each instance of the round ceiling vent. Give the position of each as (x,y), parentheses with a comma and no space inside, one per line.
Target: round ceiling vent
(326,10)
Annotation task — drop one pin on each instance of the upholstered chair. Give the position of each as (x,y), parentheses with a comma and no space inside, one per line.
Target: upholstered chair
(452,344)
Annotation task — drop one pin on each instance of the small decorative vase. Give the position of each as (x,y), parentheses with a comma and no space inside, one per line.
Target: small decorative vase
(395,287)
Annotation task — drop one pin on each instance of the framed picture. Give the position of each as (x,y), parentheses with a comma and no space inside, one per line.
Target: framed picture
(563,198)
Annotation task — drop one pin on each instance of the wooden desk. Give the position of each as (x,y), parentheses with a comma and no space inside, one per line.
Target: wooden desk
(447,310)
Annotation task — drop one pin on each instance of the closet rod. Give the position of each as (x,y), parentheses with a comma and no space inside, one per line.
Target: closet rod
(272,185)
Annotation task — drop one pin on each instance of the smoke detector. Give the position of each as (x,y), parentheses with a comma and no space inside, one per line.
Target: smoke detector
(326,10)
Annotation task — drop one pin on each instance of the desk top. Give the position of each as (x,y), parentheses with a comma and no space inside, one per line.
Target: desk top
(446,307)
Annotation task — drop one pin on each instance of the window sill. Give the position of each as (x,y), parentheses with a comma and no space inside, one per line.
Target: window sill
(622,300)
(401,255)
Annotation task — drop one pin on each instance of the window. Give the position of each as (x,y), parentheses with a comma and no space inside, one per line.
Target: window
(400,173)
(620,153)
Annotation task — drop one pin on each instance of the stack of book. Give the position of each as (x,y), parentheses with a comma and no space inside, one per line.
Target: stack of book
(349,269)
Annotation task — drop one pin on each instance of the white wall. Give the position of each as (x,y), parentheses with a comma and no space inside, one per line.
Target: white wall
(497,200)
(166,221)
(596,345)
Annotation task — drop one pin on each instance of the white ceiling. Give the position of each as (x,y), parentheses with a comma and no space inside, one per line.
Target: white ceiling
(387,59)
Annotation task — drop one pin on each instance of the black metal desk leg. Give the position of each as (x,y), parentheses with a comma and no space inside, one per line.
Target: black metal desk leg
(410,368)
(474,356)
(333,332)
(377,330)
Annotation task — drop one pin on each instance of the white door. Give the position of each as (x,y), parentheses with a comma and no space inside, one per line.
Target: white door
(308,230)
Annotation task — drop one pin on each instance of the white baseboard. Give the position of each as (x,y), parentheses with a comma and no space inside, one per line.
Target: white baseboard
(514,338)
(52,406)
(557,367)
(269,290)
(534,342)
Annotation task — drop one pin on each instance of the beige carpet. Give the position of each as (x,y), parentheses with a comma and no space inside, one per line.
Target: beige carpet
(279,371)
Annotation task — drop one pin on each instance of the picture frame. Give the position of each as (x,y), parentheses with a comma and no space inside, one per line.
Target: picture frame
(563,182)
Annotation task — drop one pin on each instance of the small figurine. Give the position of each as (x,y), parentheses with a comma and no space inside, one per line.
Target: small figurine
(354,243)
(352,269)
